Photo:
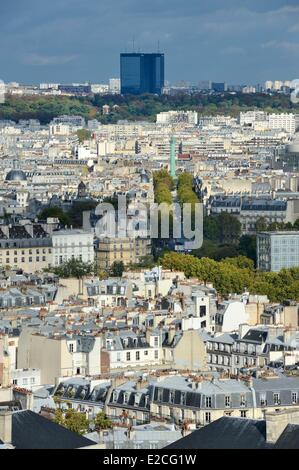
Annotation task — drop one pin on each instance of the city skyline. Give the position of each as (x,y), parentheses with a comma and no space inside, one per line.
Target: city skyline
(68,41)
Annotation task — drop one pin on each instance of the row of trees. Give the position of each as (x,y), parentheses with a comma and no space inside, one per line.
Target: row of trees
(77,422)
(263,226)
(235,275)
(140,107)
(185,189)
(45,108)
(163,185)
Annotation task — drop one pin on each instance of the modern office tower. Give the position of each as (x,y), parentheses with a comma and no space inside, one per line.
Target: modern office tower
(277,250)
(219,87)
(142,73)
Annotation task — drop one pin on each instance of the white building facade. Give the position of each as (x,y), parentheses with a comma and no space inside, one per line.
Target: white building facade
(72,244)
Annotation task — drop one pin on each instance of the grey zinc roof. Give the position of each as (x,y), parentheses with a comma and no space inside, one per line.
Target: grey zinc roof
(206,387)
(224,338)
(276,383)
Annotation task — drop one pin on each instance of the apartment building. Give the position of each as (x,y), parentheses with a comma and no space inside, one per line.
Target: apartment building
(207,399)
(130,350)
(25,246)
(59,355)
(128,250)
(72,244)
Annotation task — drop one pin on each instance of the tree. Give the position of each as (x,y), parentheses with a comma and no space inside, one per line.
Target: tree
(102,422)
(234,275)
(74,268)
(83,134)
(261,224)
(211,228)
(76,421)
(230,228)
(75,213)
(240,262)
(59,417)
(247,246)
(117,269)
(55,212)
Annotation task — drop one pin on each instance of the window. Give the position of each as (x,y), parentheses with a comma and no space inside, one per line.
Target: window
(71,348)
(242,400)
(118,357)
(183,398)
(156,341)
(227,401)
(207,417)
(294,398)
(263,400)
(171,397)
(146,353)
(243,413)
(208,402)
(156,354)
(202,311)
(128,356)
(25,381)
(137,355)
(276,398)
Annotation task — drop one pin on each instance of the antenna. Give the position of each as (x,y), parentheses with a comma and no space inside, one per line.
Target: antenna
(158,46)
(133,43)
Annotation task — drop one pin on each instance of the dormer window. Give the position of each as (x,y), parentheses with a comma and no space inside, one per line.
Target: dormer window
(114,396)
(183,398)
(126,397)
(171,397)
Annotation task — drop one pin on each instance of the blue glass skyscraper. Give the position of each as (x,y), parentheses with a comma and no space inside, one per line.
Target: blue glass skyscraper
(141,73)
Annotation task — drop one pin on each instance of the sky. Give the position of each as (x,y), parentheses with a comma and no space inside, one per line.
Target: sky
(238,41)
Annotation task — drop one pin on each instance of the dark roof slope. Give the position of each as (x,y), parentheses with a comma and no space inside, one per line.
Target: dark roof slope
(289,439)
(33,431)
(226,433)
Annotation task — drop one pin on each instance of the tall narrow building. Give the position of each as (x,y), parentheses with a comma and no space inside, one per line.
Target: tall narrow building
(142,73)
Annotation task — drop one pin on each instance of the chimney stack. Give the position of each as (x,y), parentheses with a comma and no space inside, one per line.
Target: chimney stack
(6,426)
(277,421)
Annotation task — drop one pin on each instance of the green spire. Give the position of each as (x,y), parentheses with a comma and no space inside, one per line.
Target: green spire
(172,157)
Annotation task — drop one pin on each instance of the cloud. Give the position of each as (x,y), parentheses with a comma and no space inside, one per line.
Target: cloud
(233,50)
(44,60)
(288,46)
(231,41)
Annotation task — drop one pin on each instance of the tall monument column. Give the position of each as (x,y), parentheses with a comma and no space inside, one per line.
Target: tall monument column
(172,157)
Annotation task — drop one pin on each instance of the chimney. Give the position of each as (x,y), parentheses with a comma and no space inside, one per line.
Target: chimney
(288,334)
(243,329)
(6,426)
(276,422)
(171,335)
